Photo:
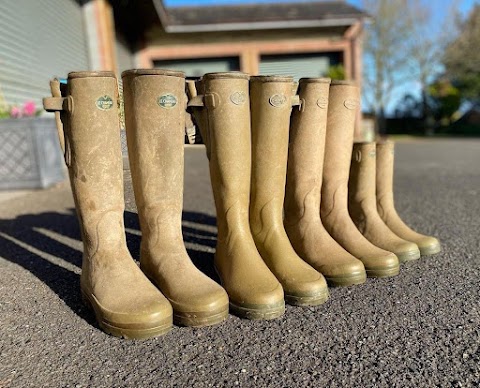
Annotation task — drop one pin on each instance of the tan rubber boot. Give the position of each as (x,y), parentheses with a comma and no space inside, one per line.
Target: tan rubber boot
(343,103)
(126,304)
(253,290)
(385,158)
(362,205)
(271,106)
(155,105)
(304,180)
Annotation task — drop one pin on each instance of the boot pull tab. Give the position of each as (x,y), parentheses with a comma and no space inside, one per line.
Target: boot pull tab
(198,101)
(58,104)
(296,101)
(358,156)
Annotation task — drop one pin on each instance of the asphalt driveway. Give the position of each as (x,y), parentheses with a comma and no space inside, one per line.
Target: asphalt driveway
(421,328)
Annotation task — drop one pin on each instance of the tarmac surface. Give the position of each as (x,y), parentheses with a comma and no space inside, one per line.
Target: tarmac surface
(419,329)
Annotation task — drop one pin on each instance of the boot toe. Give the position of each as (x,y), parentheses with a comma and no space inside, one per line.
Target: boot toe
(345,274)
(205,305)
(260,304)
(147,317)
(307,293)
(429,246)
(382,265)
(407,251)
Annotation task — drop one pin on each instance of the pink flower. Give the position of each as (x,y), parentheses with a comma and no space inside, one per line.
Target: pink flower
(15,112)
(29,108)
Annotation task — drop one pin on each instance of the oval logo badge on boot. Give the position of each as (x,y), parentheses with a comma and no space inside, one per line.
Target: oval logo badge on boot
(167,101)
(238,98)
(278,100)
(350,103)
(104,103)
(322,102)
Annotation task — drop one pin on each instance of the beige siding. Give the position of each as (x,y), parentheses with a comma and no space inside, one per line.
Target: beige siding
(38,39)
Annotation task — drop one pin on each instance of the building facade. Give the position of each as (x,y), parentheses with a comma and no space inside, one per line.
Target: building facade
(44,38)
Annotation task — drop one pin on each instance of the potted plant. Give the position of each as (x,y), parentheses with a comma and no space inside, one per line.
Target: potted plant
(30,155)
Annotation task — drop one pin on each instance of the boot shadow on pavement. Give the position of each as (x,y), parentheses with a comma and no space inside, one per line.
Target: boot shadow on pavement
(34,242)
(23,241)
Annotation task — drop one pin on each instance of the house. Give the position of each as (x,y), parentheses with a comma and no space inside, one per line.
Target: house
(43,38)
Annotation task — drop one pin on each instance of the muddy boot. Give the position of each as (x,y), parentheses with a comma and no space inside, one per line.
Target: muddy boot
(304,180)
(342,107)
(385,158)
(271,105)
(155,105)
(362,205)
(222,111)
(126,304)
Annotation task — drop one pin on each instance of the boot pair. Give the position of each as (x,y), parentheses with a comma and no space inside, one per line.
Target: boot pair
(125,302)
(346,240)
(245,123)
(372,207)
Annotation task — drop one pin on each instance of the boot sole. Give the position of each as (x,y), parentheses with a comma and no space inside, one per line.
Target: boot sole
(348,280)
(383,273)
(404,257)
(307,300)
(200,319)
(265,312)
(430,250)
(127,332)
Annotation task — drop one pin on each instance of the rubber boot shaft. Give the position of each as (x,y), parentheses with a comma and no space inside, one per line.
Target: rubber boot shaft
(155,105)
(126,304)
(362,205)
(271,105)
(342,108)
(304,180)
(428,245)
(253,290)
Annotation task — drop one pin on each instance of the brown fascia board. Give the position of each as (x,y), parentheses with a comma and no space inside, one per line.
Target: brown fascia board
(162,13)
(343,21)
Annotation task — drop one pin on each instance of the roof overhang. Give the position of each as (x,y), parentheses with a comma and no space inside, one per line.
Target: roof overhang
(171,27)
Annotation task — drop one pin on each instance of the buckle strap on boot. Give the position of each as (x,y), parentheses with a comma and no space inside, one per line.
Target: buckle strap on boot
(296,101)
(58,104)
(199,101)
(210,100)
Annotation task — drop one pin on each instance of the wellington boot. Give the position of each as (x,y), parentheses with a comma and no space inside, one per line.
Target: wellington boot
(125,303)
(224,120)
(271,105)
(385,204)
(304,180)
(155,104)
(362,205)
(343,103)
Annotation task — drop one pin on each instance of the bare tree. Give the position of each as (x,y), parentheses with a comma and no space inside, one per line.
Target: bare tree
(462,56)
(386,42)
(400,46)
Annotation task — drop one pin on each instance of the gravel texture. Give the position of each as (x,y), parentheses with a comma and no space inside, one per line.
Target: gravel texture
(421,328)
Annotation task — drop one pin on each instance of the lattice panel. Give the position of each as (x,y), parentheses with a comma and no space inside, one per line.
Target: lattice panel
(123,138)
(16,159)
